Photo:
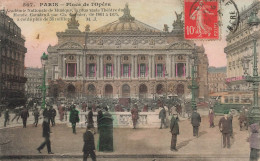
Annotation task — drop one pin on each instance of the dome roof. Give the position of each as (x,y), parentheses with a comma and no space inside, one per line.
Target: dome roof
(126,24)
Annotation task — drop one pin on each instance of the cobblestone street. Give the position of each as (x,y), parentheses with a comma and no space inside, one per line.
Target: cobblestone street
(129,144)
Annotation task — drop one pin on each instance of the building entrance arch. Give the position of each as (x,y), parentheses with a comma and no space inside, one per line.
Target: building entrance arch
(71,90)
(159,89)
(126,91)
(91,90)
(143,91)
(109,91)
(180,89)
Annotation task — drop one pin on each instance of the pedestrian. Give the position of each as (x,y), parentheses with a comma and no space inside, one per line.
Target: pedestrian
(231,120)
(24,116)
(52,115)
(84,107)
(17,112)
(90,117)
(65,109)
(7,116)
(162,116)
(254,140)
(145,109)
(242,120)
(89,144)
(74,118)
(225,129)
(46,135)
(195,121)
(174,127)
(46,113)
(135,116)
(36,115)
(211,118)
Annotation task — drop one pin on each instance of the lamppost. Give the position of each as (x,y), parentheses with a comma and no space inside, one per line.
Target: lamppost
(193,85)
(84,57)
(254,113)
(44,59)
(1,79)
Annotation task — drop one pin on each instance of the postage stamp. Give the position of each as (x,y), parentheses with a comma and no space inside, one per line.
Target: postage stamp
(201,19)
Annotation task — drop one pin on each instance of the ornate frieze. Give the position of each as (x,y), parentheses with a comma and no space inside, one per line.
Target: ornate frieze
(181,46)
(70,45)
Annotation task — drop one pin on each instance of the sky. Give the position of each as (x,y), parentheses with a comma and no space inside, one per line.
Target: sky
(156,13)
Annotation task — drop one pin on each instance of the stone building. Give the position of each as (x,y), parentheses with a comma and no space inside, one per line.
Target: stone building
(217,79)
(12,53)
(34,81)
(239,52)
(122,59)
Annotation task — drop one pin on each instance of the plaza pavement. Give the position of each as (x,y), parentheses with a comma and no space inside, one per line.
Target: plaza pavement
(17,143)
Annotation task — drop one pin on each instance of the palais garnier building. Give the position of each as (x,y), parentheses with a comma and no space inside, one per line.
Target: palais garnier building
(125,59)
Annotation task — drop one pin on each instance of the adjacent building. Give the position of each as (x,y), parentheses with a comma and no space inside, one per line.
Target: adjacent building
(125,59)
(12,54)
(34,81)
(217,79)
(239,54)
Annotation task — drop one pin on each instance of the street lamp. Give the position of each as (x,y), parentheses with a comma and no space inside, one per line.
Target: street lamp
(44,59)
(1,79)
(193,85)
(254,113)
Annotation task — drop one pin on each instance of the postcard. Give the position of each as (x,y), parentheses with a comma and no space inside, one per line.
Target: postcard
(129,80)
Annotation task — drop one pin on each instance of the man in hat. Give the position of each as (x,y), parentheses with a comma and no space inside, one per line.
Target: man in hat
(52,115)
(36,115)
(162,116)
(46,113)
(46,135)
(211,118)
(225,129)
(7,116)
(89,144)
(174,127)
(74,117)
(90,117)
(135,116)
(24,116)
(195,121)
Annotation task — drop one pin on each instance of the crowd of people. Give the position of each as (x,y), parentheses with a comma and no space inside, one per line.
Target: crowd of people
(168,115)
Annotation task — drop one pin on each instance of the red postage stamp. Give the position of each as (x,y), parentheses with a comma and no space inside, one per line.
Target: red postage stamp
(201,19)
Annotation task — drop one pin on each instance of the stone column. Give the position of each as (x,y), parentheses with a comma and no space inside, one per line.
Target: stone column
(136,66)
(102,68)
(98,66)
(132,67)
(153,65)
(77,57)
(168,65)
(115,67)
(84,65)
(63,67)
(188,67)
(59,66)
(173,67)
(118,66)
(150,66)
